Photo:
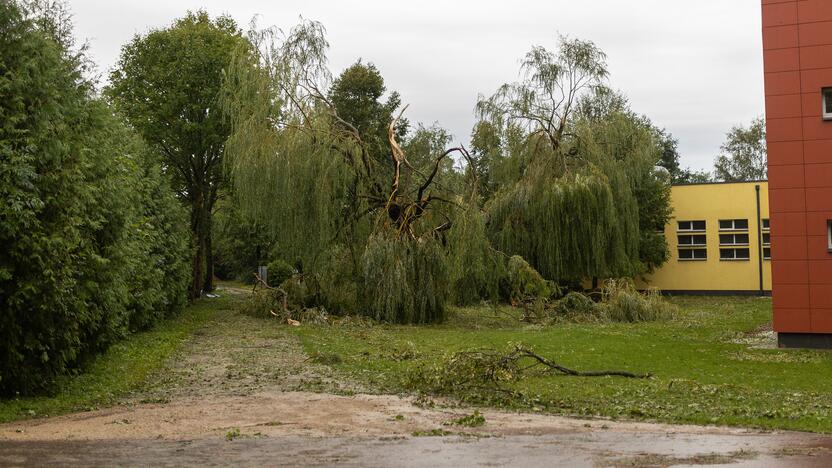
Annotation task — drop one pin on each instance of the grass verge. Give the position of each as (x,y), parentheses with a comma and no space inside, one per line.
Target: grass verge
(124,367)
(707,364)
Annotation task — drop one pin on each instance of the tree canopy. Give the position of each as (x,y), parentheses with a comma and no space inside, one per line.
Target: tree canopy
(580,194)
(166,84)
(743,156)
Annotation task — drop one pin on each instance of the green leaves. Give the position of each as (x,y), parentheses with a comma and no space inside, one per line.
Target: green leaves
(90,231)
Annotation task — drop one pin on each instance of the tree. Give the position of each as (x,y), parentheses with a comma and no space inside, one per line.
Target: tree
(92,248)
(166,83)
(579,179)
(356,97)
(364,212)
(743,156)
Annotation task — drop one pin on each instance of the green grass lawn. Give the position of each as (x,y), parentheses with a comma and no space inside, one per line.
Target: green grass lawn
(124,367)
(705,372)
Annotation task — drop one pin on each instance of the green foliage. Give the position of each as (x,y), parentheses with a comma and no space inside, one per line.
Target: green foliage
(576,307)
(405,281)
(622,303)
(476,271)
(240,244)
(124,368)
(581,195)
(92,242)
(743,156)
(317,169)
(523,281)
(279,271)
(475,419)
(166,84)
(568,228)
(356,97)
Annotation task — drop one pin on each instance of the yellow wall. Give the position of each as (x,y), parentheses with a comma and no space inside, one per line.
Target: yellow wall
(712,202)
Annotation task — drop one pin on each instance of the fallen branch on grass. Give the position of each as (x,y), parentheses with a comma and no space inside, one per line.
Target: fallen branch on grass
(487,370)
(521,352)
(284,294)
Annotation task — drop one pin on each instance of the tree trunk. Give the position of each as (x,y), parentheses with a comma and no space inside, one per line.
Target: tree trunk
(208,284)
(198,231)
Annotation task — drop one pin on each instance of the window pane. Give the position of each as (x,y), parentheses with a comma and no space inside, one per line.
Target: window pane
(726,224)
(827,100)
(766,238)
(700,240)
(741,238)
(700,254)
(740,224)
(767,253)
(726,253)
(684,225)
(743,253)
(766,224)
(726,238)
(686,254)
(699,225)
(685,240)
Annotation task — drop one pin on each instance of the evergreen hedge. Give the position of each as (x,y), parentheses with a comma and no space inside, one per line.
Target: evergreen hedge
(93,243)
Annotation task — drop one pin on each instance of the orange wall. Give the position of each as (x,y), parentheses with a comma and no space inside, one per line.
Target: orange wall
(797,44)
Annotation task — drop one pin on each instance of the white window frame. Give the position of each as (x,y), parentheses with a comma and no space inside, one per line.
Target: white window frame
(735,243)
(735,258)
(700,233)
(827,112)
(695,249)
(733,227)
(691,230)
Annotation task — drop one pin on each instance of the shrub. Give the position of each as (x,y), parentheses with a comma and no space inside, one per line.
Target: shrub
(523,281)
(93,244)
(622,303)
(279,271)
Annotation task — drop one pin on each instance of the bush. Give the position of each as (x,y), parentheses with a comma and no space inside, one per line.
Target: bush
(523,281)
(279,271)
(622,303)
(93,240)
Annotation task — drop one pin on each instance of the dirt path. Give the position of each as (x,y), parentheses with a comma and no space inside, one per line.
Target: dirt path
(242,393)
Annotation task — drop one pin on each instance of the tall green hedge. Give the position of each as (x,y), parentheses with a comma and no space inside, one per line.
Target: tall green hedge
(92,243)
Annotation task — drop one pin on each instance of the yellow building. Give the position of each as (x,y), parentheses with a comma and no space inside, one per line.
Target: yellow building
(719,240)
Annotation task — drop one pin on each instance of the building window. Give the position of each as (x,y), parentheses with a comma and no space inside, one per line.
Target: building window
(693,254)
(691,226)
(766,231)
(692,241)
(734,254)
(738,229)
(733,224)
(829,235)
(827,104)
(733,239)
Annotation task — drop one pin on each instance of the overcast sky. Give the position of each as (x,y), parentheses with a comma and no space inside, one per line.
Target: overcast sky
(694,67)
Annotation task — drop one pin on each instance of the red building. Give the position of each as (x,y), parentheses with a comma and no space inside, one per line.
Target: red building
(797,44)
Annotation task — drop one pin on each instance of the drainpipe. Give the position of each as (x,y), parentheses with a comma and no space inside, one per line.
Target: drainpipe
(759,241)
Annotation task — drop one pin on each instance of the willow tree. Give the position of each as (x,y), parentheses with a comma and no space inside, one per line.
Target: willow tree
(367,225)
(566,204)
